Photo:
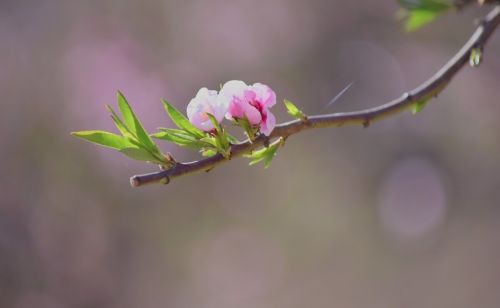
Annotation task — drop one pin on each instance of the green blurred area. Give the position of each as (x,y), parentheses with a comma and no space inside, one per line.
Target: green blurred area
(401,214)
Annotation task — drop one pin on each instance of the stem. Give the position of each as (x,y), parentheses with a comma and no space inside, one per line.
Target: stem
(427,90)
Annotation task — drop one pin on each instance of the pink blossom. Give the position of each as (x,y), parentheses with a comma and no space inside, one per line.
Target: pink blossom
(252,102)
(206,101)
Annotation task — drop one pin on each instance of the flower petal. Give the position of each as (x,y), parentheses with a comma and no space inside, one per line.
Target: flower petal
(205,101)
(253,115)
(233,88)
(264,94)
(267,127)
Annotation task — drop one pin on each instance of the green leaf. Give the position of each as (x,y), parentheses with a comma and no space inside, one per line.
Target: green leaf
(216,143)
(103,138)
(293,110)
(181,121)
(418,106)
(128,115)
(265,155)
(418,18)
(176,132)
(133,123)
(420,12)
(180,139)
(119,123)
(212,141)
(121,143)
(140,154)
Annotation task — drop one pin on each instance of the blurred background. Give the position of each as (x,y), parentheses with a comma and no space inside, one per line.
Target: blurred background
(401,214)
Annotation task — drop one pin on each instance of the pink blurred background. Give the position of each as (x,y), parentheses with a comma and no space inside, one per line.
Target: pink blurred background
(402,214)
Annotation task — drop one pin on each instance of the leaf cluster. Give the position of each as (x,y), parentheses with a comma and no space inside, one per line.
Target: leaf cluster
(134,141)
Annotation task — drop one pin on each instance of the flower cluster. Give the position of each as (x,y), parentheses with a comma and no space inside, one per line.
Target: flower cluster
(246,105)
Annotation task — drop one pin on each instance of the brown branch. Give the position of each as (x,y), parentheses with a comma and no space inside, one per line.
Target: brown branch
(427,90)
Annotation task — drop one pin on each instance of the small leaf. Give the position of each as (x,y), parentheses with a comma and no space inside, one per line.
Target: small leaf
(255,160)
(418,18)
(127,113)
(119,123)
(133,123)
(181,121)
(216,143)
(476,57)
(265,154)
(140,154)
(103,138)
(180,139)
(210,140)
(294,111)
(418,106)
(177,132)
(270,155)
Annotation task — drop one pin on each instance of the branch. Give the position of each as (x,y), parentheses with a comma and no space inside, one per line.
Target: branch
(427,90)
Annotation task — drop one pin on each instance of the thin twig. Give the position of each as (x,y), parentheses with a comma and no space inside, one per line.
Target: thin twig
(427,90)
